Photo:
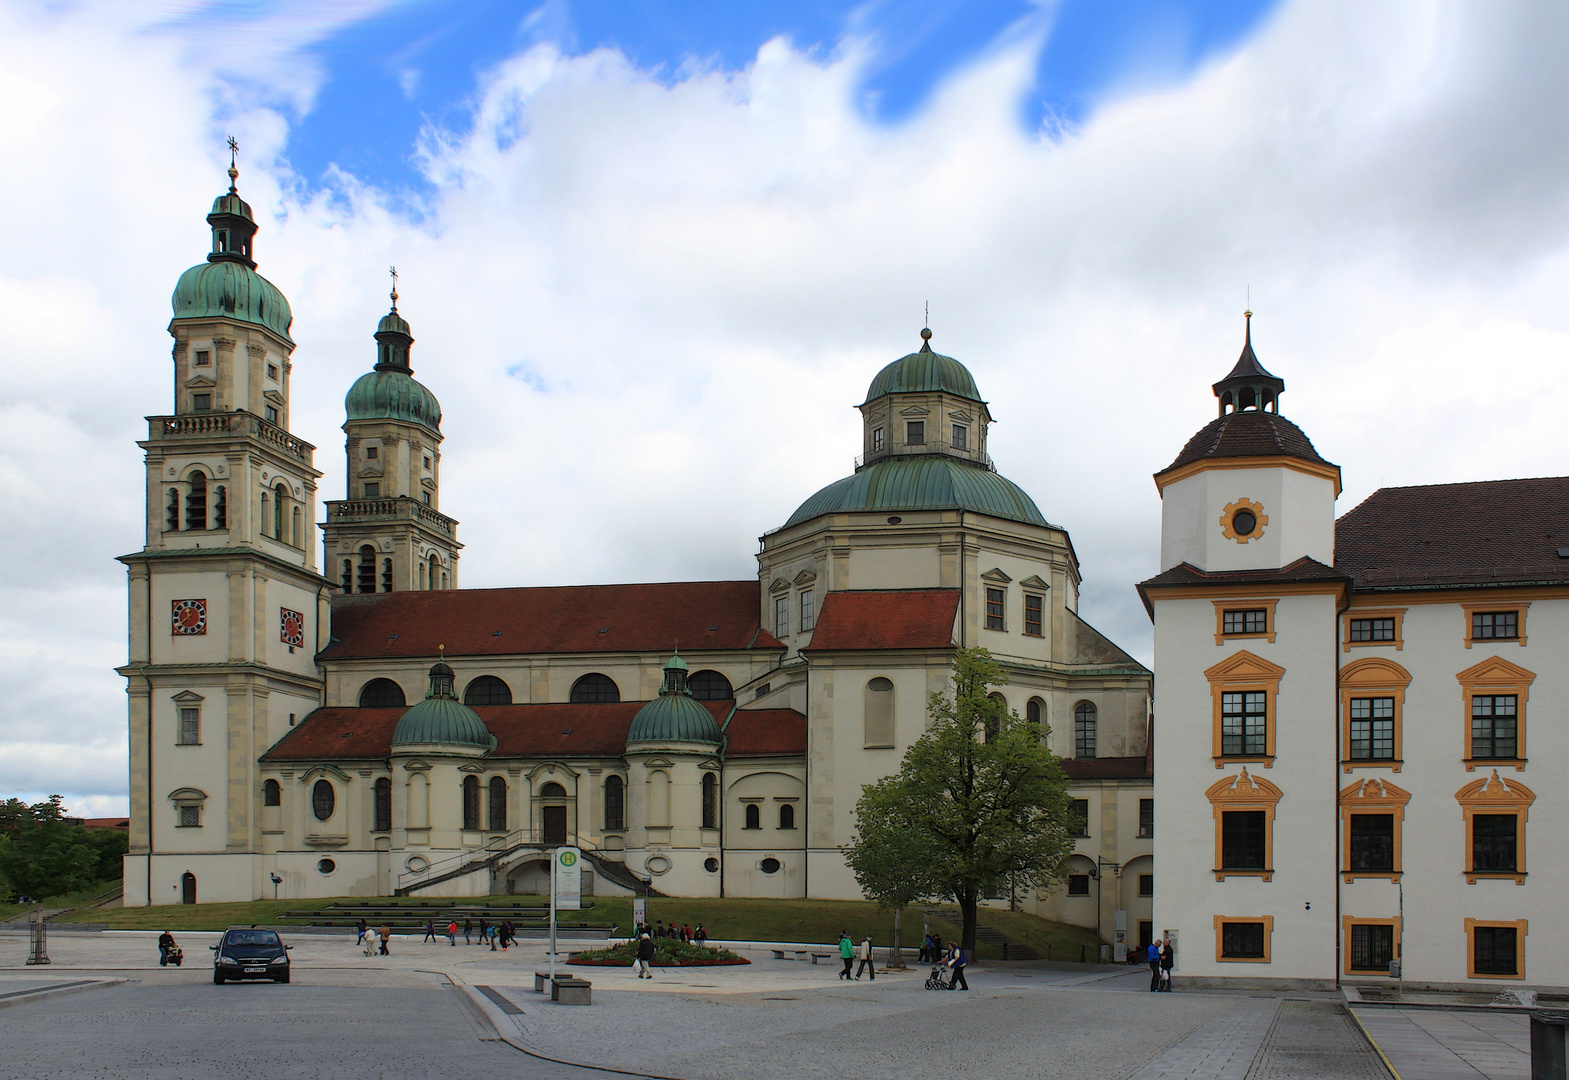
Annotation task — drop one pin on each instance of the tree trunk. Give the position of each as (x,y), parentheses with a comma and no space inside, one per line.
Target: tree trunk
(967,905)
(898,959)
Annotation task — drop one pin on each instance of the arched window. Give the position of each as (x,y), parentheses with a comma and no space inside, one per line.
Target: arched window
(280,497)
(196,502)
(383,805)
(552,790)
(754,816)
(877,713)
(323,799)
(386,575)
(498,804)
(786,816)
(992,725)
(710,801)
(220,508)
(272,793)
(659,799)
(615,803)
(594,687)
(348,575)
(471,802)
(367,579)
(487,690)
(382,694)
(1084,729)
(709,686)
(1035,711)
(266,516)
(172,515)
(435,571)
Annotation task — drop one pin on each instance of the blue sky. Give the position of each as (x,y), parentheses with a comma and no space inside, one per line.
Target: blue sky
(418,62)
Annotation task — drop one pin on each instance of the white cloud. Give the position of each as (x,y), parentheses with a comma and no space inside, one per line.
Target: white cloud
(649,308)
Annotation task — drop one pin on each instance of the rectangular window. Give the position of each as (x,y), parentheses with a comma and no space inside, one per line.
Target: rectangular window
(1495,624)
(201,402)
(994,609)
(372,453)
(1146,818)
(1372,728)
(1242,840)
(1495,949)
(1146,884)
(1493,726)
(190,733)
(1372,947)
(272,415)
(427,463)
(426,496)
(272,372)
(782,616)
(190,817)
(1372,630)
(373,491)
(1244,721)
(1242,940)
(915,432)
(1033,606)
(961,437)
(877,440)
(1079,818)
(1493,843)
(808,612)
(1245,621)
(1372,841)
(203,358)
(1078,884)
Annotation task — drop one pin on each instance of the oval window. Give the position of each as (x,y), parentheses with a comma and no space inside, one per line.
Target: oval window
(711,864)
(1243,523)
(326,866)
(769,866)
(323,800)
(657,865)
(417,864)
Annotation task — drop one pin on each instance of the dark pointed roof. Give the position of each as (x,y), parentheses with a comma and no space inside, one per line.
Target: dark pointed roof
(1250,433)
(1248,371)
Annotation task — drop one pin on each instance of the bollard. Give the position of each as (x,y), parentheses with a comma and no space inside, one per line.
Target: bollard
(1081,953)
(1547,1044)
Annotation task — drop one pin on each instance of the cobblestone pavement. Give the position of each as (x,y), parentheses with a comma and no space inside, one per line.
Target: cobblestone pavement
(1432,1044)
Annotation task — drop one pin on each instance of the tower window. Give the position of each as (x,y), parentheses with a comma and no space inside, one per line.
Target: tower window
(190,733)
(1084,721)
(961,437)
(203,358)
(427,462)
(367,574)
(220,509)
(265,516)
(281,496)
(272,414)
(386,575)
(808,612)
(348,575)
(373,491)
(201,402)
(915,433)
(426,494)
(372,453)
(994,609)
(196,502)
(220,238)
(272,372)
(172,520)
(1032,615)
(781,616)
(877,440)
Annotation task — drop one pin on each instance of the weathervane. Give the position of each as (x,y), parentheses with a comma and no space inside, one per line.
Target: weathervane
(234,171)
(393,270)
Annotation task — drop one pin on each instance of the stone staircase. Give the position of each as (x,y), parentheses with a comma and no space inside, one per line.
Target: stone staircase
(1006,947)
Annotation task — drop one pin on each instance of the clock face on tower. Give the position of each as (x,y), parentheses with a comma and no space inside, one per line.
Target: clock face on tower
(291,627)
(190,617)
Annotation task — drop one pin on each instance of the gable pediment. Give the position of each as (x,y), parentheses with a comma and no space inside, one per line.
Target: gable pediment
(550,768)
(914,410)
(1374,791)
(201,382)
(996,575)
(325,770)
(1243,788)
(779,585)
(188,697)
(1496,671)
(1244,666)
(805,577)
(1374,671)
(187,794)
(961,415)
(273,396)
(1034,581)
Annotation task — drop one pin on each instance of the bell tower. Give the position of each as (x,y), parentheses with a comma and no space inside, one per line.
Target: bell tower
(226,606)
(389,534)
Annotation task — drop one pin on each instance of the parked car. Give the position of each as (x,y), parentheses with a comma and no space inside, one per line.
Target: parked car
(249,953)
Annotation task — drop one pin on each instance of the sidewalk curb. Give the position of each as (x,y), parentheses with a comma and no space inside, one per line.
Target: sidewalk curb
(26,996)
(1379,1050)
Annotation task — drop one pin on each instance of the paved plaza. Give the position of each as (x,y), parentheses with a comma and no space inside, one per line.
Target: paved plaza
(432,1009)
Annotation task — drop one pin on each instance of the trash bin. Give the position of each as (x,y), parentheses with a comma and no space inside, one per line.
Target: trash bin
(1547,1044)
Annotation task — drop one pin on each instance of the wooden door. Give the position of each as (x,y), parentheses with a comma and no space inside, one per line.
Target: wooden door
(187,888)
(555,824)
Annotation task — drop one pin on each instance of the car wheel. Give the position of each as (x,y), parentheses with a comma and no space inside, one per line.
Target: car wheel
(217,978)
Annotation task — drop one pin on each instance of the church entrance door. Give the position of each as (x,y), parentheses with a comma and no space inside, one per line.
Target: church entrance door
(555,824)
(187,888)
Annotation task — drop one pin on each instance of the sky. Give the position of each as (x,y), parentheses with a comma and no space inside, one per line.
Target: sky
(653,252)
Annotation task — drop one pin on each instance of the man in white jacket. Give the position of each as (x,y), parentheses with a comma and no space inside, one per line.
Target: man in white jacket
(865,955)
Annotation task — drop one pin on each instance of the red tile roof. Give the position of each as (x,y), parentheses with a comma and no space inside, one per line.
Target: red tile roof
(1108,768)
(1249,433)
(549,730)
(893,619)
(563,619)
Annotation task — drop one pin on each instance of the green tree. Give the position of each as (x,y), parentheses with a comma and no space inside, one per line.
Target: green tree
(981,800)
(44,855)
(888,858)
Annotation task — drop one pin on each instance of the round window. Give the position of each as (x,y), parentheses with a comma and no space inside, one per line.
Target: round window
(326,866)
(711,864)
(769,866)
(1243,522)
(417,864)
(657,865)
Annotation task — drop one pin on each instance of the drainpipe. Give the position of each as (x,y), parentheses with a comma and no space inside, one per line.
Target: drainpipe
(1335,790)
(806,848)
(724,745)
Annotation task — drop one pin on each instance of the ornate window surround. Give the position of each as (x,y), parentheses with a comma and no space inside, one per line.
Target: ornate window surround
(1519,606)
(1244,792)
(1348,921)
(1495,795)
(1374,676)
(1521,926)
(1222,606)
(1495,675)
(1398,614)
(1268,922)
(1375,796)
(1240,672)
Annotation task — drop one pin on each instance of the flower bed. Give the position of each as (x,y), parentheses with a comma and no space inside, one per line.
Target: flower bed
(667,953)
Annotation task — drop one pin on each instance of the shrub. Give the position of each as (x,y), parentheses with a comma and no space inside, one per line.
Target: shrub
(668,952)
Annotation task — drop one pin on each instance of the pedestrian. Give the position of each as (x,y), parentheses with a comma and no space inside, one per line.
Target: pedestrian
(846,953)
(659,929)
(368,942)
(468,928)
(386,939)
(1168,957)
(936,948)
(508,935)
(430,931)
(926,948)
(359,930)
(452,933)
(866,955)
(1152,955)
(957,964)
(165,943)
(484,930)
(645,954)
(700,936)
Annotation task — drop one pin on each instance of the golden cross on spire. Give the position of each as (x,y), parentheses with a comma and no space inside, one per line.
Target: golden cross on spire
(393,270)
(234,153)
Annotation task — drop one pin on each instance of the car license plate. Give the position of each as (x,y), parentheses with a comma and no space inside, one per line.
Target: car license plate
(254,970)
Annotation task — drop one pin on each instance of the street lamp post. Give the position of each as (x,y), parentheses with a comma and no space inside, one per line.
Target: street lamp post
(276,881)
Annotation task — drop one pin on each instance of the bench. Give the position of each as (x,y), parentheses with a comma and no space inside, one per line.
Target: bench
(542,979)
(779,954)
(816,956)
(572,991)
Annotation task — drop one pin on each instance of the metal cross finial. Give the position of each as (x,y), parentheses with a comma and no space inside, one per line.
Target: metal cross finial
(393,270)
(1249,312)
(234,153)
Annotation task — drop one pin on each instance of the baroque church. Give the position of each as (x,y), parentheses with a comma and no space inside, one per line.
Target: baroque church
(367,727)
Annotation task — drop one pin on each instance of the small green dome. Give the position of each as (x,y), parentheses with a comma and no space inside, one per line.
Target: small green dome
(924,370)
(442,718)
(392,395)
(231,203)
(674,718)
(232,290)
(393,323)
(923,482)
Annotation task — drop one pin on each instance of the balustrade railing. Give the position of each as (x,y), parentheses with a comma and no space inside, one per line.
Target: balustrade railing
(204,425)
(400,508)
(966,453)
(495,846)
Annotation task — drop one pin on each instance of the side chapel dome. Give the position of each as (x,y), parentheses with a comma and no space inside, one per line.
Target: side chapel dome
(441,718)
(675,715)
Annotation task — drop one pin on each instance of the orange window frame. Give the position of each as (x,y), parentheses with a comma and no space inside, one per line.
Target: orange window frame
(1495,795)
(1371,796)
(1520,607)
(1243,792)
(1373,676)
(1398,614)
(1495,675)
(1346,923)
(1240,672)
(1268,922)
(1522,927)
(1223,606)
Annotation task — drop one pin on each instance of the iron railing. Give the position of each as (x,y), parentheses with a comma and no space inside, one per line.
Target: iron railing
(967,453)
(496,847)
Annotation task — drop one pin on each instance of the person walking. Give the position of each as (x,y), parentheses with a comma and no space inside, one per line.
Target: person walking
(468,928)
(846,953)
(957,964)
(866,955)
(509,935)
(359,930)
(386,939)
(452,933)
(484,930)
(368,942)
(430,931)
(700,936)
(1168,957)
(1152,955)
(165,943)
(645,955)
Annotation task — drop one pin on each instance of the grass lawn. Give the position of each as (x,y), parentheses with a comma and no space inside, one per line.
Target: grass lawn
(70,900)
(728,919)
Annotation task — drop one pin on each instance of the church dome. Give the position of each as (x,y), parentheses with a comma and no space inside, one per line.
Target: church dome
(442,718)
(923,482)
(924,370)
(674,716)
(392,395)
(231,290)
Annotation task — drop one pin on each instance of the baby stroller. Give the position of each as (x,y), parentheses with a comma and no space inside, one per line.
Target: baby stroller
(174,955)
(941,978)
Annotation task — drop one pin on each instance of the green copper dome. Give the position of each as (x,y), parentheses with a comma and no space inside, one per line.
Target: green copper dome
(674,716)
(442,718)
(231,290)
(924,370)
(392,395)
(924,482)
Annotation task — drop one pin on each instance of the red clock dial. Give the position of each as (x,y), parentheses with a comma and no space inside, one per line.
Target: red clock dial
(190,617)
(291,627)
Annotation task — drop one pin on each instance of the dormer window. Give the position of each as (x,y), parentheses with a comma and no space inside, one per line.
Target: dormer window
(961,437)
(203,358)
(915,433)
(877,440)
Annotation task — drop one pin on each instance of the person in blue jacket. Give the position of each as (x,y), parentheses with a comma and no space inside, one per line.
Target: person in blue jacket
(1153,956)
